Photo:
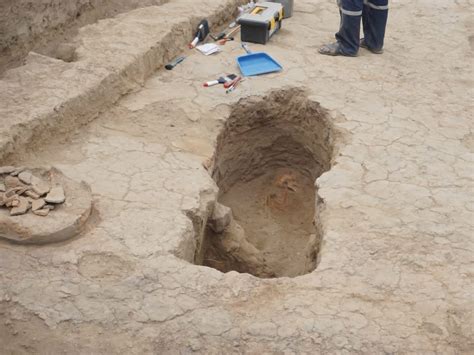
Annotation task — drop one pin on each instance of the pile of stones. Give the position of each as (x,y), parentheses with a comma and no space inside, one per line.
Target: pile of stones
(21,191)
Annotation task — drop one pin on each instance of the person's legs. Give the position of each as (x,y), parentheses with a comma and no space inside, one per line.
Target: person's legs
(349,32)
(374,19)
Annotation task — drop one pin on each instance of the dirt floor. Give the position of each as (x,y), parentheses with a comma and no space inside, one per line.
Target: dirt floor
(373,209)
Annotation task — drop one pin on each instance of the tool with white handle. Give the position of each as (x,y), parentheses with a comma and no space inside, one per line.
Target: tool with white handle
(201,33)
(221,80)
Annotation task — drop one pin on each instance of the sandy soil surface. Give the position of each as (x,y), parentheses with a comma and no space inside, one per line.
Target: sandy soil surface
(396,263)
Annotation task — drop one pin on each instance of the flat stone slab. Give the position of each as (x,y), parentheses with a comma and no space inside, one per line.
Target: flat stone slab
(56,195)
(64,222)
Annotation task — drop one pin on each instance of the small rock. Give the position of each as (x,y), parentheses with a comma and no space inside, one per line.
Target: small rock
(15,203)
(25,177)
(17,171)
(39,186)
(32,194)
(56,195)
(11,182)
(2,187)
(7,169)
(22,207)
(48,207)
(66,52)
(2,200)
(37,205)
(221,218)
(207,164)
(42,213)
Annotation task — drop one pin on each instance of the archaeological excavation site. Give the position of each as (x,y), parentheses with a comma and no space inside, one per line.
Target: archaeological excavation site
(213,177)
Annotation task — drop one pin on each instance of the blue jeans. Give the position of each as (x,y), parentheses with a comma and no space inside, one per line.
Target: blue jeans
(374,14)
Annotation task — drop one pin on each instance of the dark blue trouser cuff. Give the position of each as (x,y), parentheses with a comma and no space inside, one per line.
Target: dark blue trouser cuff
(374,14)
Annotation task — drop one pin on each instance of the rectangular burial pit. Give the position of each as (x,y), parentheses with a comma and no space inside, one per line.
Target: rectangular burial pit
(267,159)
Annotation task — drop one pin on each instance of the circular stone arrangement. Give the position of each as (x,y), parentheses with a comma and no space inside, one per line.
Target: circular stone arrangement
(41,205)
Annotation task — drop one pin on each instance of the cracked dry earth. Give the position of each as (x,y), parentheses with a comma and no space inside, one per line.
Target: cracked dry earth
(395,267)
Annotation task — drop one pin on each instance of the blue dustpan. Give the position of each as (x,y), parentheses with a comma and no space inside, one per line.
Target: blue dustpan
(257,63)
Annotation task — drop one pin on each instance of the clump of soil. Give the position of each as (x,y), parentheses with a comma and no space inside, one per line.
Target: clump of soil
(22,191)
(267,159)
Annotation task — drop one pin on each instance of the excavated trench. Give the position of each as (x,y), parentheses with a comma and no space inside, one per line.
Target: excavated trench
(267,159)
(48,27)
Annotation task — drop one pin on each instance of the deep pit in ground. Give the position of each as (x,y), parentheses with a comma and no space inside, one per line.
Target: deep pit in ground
(267,159)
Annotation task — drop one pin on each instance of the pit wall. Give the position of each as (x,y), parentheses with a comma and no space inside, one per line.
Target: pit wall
(29,24)
(267,125)
(48,97)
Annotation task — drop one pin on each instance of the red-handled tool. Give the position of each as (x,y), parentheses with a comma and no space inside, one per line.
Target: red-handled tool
(231,83)
(225,40)
(208,84)
(234,85)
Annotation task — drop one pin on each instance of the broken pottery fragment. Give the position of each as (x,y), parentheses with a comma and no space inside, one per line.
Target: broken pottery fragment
(32,194)
(17,171)
(42,213)
(37,205)
(56,195)
(25,177)
(9,199)
(39,186)
(6,169)
(20,190)
(11,182)
(8,202)
(10,192)
(21,208)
